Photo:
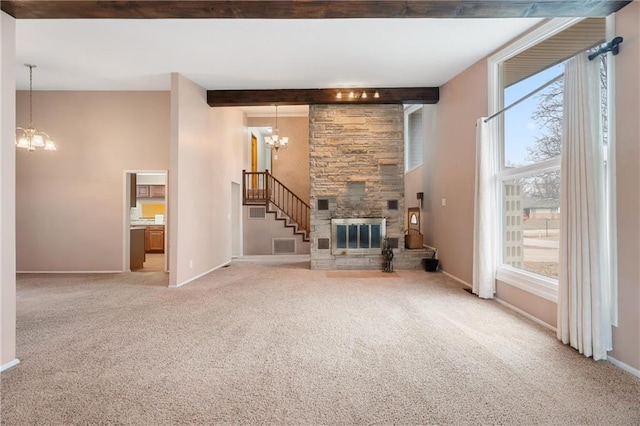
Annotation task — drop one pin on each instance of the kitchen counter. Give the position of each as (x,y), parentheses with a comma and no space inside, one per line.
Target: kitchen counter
(137,248)
(144,222)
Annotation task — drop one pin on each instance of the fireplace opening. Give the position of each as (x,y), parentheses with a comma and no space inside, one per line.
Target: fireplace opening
(357,235)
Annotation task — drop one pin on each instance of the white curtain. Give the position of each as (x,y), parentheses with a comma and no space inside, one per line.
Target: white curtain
(584,294)
(485,216)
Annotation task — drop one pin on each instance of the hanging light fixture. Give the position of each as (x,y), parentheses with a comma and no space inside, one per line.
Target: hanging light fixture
(30,138)
(275,141)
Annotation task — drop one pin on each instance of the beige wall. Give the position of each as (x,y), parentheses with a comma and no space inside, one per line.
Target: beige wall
(292,166)
(7,190)
(451,170)
(542,309)
(70,203)
(206,157)
(626,337)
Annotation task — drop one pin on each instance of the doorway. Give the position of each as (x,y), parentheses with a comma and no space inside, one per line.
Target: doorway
(145,221)
(259,154)
(254,161)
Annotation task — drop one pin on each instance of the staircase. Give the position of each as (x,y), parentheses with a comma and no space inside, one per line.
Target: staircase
(263,189)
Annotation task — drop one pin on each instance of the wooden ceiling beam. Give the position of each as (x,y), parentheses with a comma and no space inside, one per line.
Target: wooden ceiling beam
(404,95)
(306,9)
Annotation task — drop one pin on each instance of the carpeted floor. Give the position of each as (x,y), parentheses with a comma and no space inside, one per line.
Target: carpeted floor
(279,344)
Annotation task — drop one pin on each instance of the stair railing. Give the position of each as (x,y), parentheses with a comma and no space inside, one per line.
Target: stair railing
(262,188)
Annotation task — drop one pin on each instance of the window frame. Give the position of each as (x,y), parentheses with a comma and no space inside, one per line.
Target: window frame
(544,287)
(408,110)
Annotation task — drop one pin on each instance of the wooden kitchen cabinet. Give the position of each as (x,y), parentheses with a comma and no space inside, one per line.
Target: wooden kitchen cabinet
(143,191)
(150,191)
(156,191)
(154,239)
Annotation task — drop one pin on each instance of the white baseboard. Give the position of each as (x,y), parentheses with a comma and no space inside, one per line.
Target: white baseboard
(466,284)
(202,274)
(70,272)
(9,364)
(626,367)
(267,258)
(503,303)
(525,314)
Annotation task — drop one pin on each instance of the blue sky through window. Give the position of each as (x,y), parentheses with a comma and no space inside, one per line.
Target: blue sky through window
(520,129)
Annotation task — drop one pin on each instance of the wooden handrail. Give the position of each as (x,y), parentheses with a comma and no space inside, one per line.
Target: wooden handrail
(270,190)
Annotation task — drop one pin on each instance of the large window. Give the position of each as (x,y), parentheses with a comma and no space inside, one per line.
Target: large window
(527,78)
(530,174)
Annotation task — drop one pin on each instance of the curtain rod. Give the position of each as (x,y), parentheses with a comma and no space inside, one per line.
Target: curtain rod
(612,46)
(525,97)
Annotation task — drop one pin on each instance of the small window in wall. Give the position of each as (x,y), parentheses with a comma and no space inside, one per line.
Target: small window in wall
(414,137)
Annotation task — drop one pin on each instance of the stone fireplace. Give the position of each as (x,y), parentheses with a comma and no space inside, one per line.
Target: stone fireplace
(357,182)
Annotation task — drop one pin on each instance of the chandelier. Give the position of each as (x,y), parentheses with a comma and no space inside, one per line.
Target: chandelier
(30,138)
(275,141)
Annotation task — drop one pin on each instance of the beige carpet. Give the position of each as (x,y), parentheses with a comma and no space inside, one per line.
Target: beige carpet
(278,344)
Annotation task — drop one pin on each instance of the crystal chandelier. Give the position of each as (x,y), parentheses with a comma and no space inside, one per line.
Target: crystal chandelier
(275,141)
(30,138)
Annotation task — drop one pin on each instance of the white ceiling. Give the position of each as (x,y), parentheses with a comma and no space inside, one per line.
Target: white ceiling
(95,54)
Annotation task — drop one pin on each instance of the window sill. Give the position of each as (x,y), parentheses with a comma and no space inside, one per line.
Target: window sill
(546,288)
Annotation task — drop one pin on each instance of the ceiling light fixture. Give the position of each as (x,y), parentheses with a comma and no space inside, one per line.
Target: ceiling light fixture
(354,95)
(275,141)
(30,138)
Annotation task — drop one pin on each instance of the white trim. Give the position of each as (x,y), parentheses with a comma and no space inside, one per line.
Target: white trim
(541,167)
(626,367)
(416,167)
(411,108)
(201,275)
(69,272)
(9,364)
(538,285)
(453,277)
(267,258)
(526,314)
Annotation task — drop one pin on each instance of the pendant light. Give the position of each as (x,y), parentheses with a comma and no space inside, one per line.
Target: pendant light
(275,141)
(30,138)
